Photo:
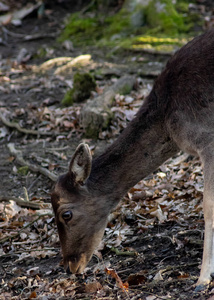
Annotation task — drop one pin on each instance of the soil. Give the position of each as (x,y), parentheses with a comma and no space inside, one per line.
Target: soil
(167,255)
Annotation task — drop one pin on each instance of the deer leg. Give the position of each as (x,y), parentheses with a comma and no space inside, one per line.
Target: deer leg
(207,269)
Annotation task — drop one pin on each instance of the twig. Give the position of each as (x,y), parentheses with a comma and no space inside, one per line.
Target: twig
(34,168)
(164,283)
(153,51)
(126,253)
(26,194)
(174,268)
(31,36)
(17,35)
(50,150)
(21,129)
(41,36)
(34,182)
(21,202)
(87,7)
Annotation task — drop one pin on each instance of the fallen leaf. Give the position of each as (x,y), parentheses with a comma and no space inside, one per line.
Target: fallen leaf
(136,279)
(33,271)
(119,282)
(159,214)
(12,209)
(33,295)
(151,297)
(183,276)
(93,287)
(158,276)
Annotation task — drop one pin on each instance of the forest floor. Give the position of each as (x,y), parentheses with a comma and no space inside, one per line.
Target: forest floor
(152,247)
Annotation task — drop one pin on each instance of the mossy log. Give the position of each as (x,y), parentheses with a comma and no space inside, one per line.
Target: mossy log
(96,113)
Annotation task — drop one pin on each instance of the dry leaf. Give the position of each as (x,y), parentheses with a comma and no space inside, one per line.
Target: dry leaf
(33,295)
(183,276)
(119,282)
(93,287)
(12,209)
(158,276)
(33,271)
(136,279)
(159,214)
(151,297)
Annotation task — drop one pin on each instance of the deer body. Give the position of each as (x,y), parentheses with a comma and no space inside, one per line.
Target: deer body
(177,114)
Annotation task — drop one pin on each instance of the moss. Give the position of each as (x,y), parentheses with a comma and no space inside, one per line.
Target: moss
(118,24)
(182,6)
(68,98)
(126,89)
(83,85)
(41,52)
(90,30)
(159,17)
(163,17)
(23,170)
(81,29)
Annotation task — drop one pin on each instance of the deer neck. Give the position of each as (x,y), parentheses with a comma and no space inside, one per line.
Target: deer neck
(142,147)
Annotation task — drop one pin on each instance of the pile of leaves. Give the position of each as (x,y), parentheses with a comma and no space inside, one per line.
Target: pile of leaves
(152,247)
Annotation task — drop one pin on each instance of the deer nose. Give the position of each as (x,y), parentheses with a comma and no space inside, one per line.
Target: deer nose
(68,270)
(72,265)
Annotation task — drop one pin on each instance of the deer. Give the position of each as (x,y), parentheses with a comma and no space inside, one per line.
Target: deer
(178,114)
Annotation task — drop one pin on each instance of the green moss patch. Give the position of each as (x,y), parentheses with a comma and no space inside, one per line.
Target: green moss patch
(23,171)
(162,18)
(83,84)
(165,17)
(82,30)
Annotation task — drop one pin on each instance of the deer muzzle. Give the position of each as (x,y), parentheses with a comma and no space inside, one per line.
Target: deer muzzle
(76,265)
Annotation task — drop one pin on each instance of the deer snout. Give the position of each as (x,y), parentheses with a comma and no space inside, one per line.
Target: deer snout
(76,265)
(68,270)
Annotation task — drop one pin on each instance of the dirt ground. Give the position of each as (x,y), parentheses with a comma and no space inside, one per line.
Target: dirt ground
(154,239)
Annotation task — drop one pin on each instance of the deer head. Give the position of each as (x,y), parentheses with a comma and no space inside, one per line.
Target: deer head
(80,226)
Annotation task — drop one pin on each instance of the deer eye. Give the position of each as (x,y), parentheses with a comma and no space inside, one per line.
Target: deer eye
(67,215)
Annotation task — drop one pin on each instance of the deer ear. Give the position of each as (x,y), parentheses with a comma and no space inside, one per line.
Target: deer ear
(80,165)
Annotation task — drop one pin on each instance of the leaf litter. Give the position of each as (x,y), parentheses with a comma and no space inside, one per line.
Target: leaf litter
(153,237)
(172,194)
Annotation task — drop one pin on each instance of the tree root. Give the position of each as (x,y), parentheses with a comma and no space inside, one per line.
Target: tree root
(20,160)
(21,129)
(20,202)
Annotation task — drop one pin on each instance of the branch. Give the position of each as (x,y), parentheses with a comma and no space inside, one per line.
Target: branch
(87,7)
(20,160)
(21,129)
(21,202)
(125,253)
(30,37)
